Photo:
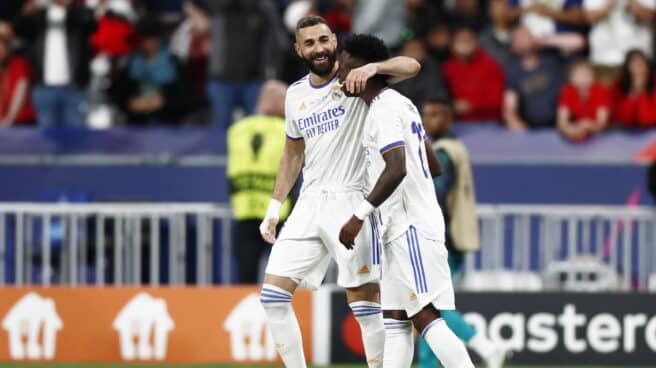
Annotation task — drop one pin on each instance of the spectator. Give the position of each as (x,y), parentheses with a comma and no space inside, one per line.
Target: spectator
(584,105)
(115,34)
(428,82)
(616,28)
(15,78)
(495,38)
(533,83)
(424,14)
(467,13)
(633,94)
(59,34)
(190,43)
(474,79)
(555,24)
(438,41)
(255,145)
(248,42)
(383,18)
(150,89)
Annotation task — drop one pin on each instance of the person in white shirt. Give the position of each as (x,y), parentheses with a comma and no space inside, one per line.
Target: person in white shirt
(56,34)
(618,26)
(416,281)
(324,128)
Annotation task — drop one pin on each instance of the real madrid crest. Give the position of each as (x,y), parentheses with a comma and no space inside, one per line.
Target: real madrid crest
(336,91)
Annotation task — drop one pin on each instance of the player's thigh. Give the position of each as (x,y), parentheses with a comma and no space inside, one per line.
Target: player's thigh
(357,266)
(296,259)
(421,266)
(395,294)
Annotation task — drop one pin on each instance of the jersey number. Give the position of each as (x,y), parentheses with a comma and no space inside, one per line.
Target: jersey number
(418,129)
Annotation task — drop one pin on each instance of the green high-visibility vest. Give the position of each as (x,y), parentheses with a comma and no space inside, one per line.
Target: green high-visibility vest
(255,145)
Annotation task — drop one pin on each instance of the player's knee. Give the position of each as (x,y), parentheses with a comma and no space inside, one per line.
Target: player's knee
(425,317)
(275,301)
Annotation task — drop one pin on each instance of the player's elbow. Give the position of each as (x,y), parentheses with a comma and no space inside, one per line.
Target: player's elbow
(400,173)
(415,66)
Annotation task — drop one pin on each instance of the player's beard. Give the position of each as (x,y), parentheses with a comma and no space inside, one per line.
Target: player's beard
(321,70)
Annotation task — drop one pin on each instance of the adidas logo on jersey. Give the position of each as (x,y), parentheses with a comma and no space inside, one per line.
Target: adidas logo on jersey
(302,107)
(364,270)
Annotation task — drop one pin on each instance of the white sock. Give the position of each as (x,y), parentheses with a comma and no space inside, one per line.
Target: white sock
(482,345)
(446,345)
(370,318)
(283,325)
(399,345)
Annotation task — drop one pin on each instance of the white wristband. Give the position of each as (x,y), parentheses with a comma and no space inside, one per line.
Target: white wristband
(364,209)
(273,211)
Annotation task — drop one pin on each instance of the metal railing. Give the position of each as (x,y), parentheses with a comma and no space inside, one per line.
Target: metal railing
(114,243)
(532,237)
(181,243)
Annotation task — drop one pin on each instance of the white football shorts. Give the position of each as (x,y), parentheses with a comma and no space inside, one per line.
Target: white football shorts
(416,274)
(310,237)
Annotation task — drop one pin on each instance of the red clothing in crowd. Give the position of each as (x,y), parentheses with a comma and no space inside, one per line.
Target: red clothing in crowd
(637,111)
(114,36)
(17,68)
(479,81)
(584,108)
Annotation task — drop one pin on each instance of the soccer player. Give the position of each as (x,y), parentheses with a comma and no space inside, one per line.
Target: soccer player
(455,193)
(416,283)
(324,131)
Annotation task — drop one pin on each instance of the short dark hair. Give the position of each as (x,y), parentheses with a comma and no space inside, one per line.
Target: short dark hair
(441,100)
(367,48)
(309,21)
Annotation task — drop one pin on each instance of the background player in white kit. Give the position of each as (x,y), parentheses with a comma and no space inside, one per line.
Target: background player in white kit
(416,282)
(324,129)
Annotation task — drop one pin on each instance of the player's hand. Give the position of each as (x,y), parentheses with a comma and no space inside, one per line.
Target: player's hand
(357,78)
(349,231)
(268,229)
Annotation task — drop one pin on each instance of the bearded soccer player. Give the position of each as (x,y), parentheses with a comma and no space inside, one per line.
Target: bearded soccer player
(324,131)
(416,282)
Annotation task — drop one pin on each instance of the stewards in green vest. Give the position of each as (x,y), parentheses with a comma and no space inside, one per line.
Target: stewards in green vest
(255,145)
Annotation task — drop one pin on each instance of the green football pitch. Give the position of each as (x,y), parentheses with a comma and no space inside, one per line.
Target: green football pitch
(28,365)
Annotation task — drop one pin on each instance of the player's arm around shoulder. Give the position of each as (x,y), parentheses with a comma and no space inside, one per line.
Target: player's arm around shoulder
(399,68)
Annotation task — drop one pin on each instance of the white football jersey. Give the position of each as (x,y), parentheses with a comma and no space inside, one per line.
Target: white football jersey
(393,122)
(332,126)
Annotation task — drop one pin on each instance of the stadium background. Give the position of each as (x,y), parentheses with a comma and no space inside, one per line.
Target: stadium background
(565,220)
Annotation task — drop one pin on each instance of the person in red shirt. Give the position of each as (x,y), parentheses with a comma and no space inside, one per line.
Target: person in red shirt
(584,104)
(15,77)
(633,93)
(475,81)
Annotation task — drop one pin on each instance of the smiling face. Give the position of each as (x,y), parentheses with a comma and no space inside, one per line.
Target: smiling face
(317,46)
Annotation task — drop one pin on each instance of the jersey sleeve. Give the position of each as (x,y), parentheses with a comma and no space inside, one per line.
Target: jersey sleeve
(291,129)
(390,129)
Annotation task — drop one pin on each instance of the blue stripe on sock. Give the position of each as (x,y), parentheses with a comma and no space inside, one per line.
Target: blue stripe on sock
(273,296)
(412,260)
(425,330)
(360,307)
(271,300)
(363,314)
(421,261)
(280,293)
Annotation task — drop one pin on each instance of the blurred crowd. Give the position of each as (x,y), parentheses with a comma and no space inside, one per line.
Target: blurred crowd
(581,66)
